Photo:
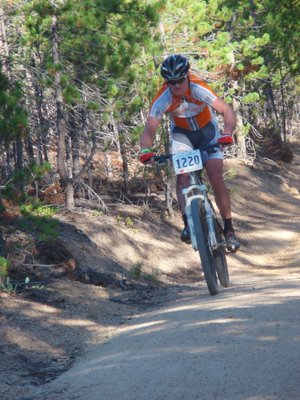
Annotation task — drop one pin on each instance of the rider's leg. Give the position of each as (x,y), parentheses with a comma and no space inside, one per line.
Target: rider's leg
(214,168)
(182,182)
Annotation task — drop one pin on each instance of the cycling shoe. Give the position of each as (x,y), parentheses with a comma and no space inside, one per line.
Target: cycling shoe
(185,235)
(232,242)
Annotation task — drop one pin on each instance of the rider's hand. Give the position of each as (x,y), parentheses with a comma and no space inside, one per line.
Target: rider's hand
(146,156)
(226,139)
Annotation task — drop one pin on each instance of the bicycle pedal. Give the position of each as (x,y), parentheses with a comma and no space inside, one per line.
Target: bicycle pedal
(185,235)
(233,248)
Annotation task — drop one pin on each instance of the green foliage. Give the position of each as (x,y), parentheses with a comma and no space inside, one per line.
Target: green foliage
(93,106)
(241,47)
(36,208)
(37,218)
(5,282)
(45,228)
(153,277)
(103,44)
(32,173)
(128,222)
(136,271)
(13,117)
(71,95)
(4,266)
(230,174)
(119,218)
(111,50)
(37,171)
(9,286)
(135,134)
(97,213)
(251,98)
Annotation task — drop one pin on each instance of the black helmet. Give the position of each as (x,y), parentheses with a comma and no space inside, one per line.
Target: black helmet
(175,66)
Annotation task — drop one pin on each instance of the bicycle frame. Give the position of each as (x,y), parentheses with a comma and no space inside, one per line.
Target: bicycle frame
(197,189)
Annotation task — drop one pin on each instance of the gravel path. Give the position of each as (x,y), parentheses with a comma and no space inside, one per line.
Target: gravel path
(243,344)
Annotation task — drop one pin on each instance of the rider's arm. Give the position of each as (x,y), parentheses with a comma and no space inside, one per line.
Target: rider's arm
(228,115)
(148,134)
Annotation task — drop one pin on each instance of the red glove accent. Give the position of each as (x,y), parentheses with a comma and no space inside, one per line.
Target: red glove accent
(145,158)
(225,139)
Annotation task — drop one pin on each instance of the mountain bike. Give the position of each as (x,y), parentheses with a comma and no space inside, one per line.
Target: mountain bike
(206,232)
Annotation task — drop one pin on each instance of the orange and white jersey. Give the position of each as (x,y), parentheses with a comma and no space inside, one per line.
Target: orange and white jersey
(191,111)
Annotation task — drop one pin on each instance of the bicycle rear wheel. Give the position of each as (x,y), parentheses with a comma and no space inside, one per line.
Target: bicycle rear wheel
(206,256)
(220,256)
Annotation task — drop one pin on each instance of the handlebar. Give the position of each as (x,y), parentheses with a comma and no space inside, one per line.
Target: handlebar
(162,158)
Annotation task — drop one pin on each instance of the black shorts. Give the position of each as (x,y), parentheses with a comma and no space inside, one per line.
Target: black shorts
(183,140)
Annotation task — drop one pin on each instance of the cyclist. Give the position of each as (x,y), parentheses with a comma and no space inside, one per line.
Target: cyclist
(191,105)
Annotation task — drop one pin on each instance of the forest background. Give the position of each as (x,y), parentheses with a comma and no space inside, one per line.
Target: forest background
(77,78)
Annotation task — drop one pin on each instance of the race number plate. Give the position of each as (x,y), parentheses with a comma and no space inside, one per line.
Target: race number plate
(187,162)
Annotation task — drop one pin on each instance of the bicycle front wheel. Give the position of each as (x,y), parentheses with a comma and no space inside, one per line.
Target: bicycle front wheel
(206,256)
(220,256)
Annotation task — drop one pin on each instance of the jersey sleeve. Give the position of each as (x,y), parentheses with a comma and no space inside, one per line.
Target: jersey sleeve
(160,103)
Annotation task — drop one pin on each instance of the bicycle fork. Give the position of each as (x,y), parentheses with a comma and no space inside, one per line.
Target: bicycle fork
(200,193)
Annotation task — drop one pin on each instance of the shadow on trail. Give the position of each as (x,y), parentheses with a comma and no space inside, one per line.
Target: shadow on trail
(239,345)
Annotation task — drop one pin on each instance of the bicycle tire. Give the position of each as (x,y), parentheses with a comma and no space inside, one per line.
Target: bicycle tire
(220,257)
(206,256)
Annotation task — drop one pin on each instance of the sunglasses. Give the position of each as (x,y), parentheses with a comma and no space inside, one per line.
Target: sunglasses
(174,82)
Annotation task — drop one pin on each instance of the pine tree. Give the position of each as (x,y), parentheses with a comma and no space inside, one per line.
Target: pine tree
(95,46)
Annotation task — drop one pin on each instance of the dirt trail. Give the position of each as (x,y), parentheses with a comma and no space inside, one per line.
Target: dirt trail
(242,344)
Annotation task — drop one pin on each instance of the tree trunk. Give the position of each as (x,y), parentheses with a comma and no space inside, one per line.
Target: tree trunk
(29,148)
(74,135)
(283,104)
(125,167)
(3,250)
(272,109)
(19,163)
(75,158)
(60,121)
(69,196)
(89,170)
(123,152)
(42,122)
(4,55)
(241,148)
(4,50)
